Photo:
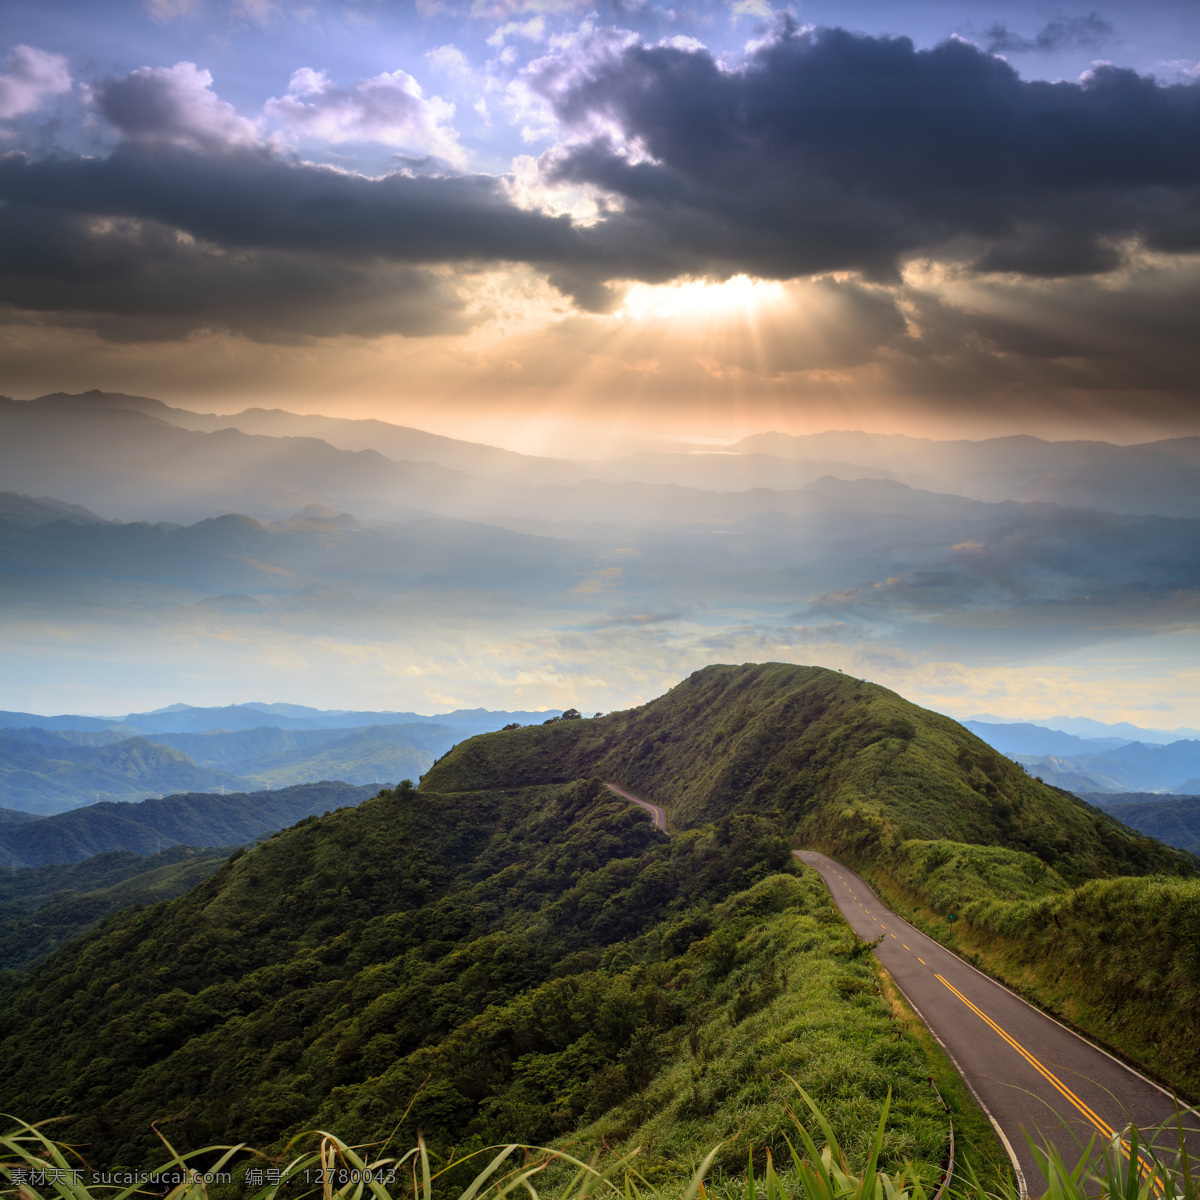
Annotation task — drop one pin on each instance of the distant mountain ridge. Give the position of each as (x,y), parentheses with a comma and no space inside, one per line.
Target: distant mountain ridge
(1027,738)
(294,459)
(42,777)
(1086,727)
(1133,767)
(65,762)
(149,826)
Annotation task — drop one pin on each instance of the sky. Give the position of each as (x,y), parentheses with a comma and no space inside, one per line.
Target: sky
(571,227)
(597,227)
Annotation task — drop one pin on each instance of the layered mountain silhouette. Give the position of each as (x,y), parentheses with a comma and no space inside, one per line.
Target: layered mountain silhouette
(52,764)
(149,826)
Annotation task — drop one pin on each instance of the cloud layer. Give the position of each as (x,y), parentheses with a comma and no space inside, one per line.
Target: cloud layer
(30,77)
(830,151)
(943,228)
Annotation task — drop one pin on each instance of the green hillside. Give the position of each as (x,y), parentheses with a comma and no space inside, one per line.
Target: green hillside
(937,820)
(193,819)
(516,964)
(41,908)
(43,777)
(1174,820)
(512,953)
(844,764)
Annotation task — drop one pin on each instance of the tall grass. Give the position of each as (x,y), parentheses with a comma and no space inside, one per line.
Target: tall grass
(38,1168)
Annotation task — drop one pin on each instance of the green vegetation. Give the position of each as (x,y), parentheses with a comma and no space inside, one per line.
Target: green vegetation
(192,819)
(934,817)
(843,764)
(1118,958)
(514,955)
(810,1171)
(41,908)
(1174,821)
(516,965)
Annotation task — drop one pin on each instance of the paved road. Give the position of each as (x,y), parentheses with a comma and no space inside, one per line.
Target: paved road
(659,814)
(1027,1070)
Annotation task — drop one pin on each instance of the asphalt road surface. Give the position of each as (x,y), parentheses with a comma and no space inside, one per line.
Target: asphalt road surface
(1028,1072)
(659,814)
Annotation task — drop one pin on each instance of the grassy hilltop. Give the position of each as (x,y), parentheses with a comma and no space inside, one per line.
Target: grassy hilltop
(939,821)
(512,953)
(841,762)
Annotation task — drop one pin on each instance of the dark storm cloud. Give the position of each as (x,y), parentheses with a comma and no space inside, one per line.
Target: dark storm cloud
(1078,333)
(1060,33)
(826,151)
(830,151)
(255,199)
(140,281)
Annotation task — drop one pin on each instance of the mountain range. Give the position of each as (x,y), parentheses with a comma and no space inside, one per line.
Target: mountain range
(387,561)
(1133,767)
(52,764)
(1155,478)
(149,826)
(512,951)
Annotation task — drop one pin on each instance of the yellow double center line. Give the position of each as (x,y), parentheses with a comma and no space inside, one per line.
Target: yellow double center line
(1100,1124)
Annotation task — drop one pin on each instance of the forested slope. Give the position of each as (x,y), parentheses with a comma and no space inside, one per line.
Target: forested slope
(42,908)
(841,762)
(147,826)
(518,964)
(944,826)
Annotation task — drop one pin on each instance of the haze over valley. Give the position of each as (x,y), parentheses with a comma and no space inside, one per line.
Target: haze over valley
(581,583)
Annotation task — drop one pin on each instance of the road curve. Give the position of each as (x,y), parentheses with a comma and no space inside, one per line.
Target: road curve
(1028,1072)
(659,814)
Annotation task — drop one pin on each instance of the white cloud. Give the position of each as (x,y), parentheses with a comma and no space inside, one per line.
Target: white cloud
(572,58)
(450,60)
(258,11)
(32,76)
(389,108)
(175,105)
(533,30)
(1185,68)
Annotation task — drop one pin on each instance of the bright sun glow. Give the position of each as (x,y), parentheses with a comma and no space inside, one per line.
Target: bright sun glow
(737,297)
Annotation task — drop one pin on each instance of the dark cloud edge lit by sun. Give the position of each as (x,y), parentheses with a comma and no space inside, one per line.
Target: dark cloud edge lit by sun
(806,224)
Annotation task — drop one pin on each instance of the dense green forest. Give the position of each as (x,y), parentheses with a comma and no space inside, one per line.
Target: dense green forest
(41,908)
(526,964)
(1174,820)
(146,826)
(933,816)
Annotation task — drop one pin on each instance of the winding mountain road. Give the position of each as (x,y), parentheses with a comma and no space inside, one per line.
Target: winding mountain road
(1028,1072)
(659,814)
